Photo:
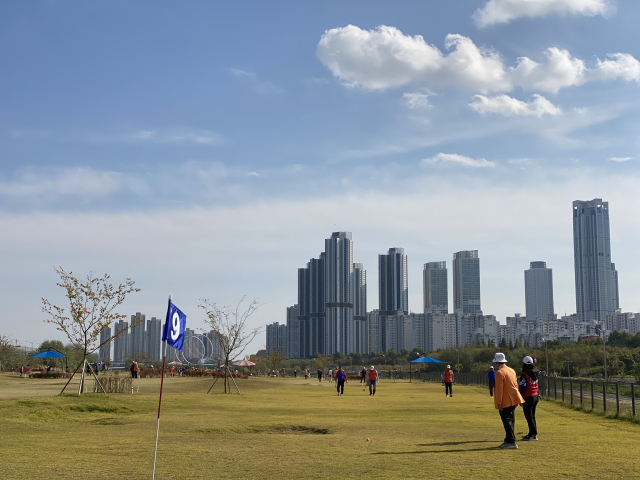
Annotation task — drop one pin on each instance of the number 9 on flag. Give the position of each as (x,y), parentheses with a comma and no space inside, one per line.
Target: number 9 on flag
(174,327)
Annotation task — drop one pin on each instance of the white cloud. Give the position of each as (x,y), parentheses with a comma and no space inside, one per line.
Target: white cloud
(253,174)
(263,87)
(507,106)
(504,11)
(242,73)
(416,100)
(458,159)
(82,182)
(205,137)
(385,58)
(619,159)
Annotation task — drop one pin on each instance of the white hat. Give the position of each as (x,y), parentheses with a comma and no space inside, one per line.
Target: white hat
(372,367)
(499,358)
(528,360)
(491,367)
(448,366)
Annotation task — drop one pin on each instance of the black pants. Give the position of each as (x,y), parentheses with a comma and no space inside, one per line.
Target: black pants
(372,387)
(340,386)
(529,408)
(509,421)
(492,385)
(447,388)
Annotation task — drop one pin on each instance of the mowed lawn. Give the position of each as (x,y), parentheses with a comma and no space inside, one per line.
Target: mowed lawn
(285,428)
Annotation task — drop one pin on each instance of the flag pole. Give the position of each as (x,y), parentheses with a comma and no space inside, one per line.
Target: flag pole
(164,357)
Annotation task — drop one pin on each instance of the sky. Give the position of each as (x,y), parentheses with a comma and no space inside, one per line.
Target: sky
(206,149)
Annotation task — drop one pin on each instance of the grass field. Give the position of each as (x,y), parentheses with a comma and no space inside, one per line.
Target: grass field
(285,428)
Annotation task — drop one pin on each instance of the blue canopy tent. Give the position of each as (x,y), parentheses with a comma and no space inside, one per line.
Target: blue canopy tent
(50,354)
(424,359)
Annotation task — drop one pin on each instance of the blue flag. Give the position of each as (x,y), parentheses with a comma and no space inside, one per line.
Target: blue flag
(174,327)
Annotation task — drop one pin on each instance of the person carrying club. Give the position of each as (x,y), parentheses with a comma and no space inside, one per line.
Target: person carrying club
(447,378)
(341,378)
(363,375)
(506,398)
(491,375)
(528,386)
(373,380)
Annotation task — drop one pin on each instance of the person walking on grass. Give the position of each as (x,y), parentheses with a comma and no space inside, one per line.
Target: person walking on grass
(172,371)
(528,386)
(447,378)
(306,374)
(506,399)
(491,375)
(341,378)
(373,380)
(363,375)
(320,375)
(330,375)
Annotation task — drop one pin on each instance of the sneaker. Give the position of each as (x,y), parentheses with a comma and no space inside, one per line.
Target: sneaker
(528,438)
(509,446)
(447,396)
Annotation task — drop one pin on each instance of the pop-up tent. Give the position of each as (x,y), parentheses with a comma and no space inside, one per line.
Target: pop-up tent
(244,363)
(425,360)
(49,354)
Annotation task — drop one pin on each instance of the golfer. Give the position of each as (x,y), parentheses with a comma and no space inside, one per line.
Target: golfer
(506,398)
(330,376)
(373,380)
(528,385)
(341,378)
(491,375)
(363,375)
(320,374)
(447,378)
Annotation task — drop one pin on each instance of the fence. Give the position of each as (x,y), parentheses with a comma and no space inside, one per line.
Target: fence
(617,397)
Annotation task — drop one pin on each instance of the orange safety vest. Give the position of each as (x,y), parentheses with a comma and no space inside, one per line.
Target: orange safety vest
(448,375)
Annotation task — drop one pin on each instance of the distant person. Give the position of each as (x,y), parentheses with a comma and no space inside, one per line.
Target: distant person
(506,398)
(320,375)
(172,371)
(363,375)
(136,370)
(295,373)
(528,386)
(306,374)
(447,378)
(133,372)
(373,380)
(341,378)
(330,375)
(491,375)
(21,369)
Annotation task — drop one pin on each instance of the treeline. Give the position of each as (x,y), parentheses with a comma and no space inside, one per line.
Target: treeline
(582,359)
(12,357)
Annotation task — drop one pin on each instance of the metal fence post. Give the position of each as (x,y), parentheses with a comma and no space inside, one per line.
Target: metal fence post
(562,385)
(604,397)
(633,399)
(592,403)
(617,401)
(571,388)
(581,394)
(555,388)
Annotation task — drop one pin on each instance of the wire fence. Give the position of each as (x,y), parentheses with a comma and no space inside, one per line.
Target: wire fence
(617,397)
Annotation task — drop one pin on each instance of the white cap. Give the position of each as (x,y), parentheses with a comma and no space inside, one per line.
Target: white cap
(528,360)
(499,358)
(448,366)
(491,367)
(372,367)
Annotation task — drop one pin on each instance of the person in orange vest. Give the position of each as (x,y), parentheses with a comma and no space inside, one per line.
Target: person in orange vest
(373,380)
(506,398)
(447,378)
(172,371)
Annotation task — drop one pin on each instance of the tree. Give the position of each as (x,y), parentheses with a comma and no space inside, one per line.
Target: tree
(92,305)
(231,325)
(322,361)
(276,357)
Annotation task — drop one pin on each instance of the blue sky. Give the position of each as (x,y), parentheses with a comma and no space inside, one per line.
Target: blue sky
(206,150)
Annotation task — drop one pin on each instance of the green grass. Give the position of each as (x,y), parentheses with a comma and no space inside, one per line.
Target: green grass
(284,428)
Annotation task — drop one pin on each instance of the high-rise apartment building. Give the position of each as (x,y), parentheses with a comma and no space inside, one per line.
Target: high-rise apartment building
(105,344)
(311,307)
(137,336)
(293,332)
(595,275)
(538,291)
(121,342)
(393,291)
(360,339)
(339,293)
(435,287)
(153,339)
(466,282)
(276,338)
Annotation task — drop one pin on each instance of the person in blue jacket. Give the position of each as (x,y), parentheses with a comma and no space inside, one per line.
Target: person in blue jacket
(341,378)
(491,374)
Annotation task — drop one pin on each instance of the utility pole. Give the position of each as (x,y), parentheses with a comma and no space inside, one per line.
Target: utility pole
(569,362)
(546,354)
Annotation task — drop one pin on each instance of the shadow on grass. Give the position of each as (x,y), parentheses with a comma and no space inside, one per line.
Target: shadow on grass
(448,444)
(484,449)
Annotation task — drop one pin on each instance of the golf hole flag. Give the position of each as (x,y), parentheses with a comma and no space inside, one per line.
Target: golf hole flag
(174,327)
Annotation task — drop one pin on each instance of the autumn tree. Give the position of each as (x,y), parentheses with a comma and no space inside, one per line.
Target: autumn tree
(231,323)
(91,309)
(322,361)
(276,357)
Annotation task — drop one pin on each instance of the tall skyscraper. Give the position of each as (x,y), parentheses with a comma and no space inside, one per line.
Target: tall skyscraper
(137,336)
(595,275)
(105,346)
(538,291)
(121,342)
(393,281)
(339,293)
(153,339)
(276,338)
(293,332)
(311,307)
(466,282)
(360,339)
(435,287)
